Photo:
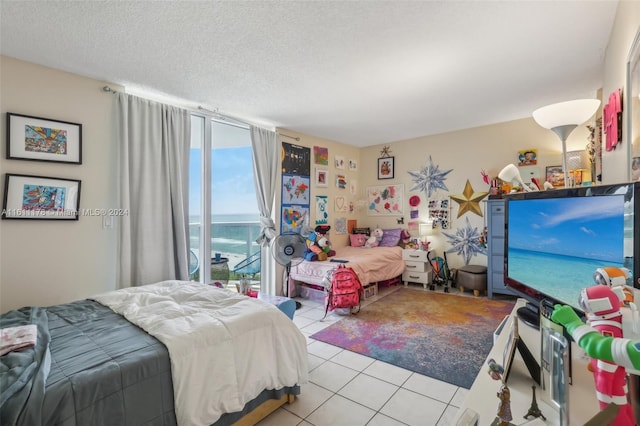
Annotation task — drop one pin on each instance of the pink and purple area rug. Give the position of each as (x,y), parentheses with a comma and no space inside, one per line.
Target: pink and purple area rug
(444,336)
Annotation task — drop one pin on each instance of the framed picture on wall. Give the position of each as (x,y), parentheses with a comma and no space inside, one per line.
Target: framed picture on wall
(40,197)
(322,177)
(43,139)
(555,176)
(385,167)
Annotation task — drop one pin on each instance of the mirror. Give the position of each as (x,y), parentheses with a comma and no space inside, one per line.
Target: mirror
(632,108)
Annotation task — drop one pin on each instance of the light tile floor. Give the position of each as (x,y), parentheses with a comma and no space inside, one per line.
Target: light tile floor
(346,388)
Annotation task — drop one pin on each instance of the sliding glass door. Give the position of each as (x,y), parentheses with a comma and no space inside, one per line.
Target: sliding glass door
(221,188)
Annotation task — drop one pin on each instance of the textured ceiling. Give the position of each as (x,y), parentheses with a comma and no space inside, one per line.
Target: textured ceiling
(357,72)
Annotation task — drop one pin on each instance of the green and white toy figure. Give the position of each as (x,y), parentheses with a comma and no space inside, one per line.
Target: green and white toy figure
(619,350)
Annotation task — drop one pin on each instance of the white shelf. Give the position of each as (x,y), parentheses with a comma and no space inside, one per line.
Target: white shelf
(482,397)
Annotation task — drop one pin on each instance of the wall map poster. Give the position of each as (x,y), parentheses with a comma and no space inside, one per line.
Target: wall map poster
(295,188)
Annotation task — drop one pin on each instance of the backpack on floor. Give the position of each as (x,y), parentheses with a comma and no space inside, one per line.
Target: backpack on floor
(345,290)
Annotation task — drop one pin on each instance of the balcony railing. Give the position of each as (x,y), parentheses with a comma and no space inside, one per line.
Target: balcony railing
(233,240)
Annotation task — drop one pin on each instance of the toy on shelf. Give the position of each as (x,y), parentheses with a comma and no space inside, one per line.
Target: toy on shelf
(504,408)
(495,369)
(602,308)
(375,238)
(605,350)
(616,278)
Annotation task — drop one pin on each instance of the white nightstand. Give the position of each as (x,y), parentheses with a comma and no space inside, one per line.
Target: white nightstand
(417,268)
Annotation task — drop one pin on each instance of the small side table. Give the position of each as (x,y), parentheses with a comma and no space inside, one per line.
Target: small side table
(220,270)
(416,270)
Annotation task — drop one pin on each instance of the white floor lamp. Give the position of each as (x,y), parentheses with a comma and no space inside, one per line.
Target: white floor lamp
(562,118)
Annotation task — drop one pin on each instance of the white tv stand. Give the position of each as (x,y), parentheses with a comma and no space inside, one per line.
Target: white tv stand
(482,397)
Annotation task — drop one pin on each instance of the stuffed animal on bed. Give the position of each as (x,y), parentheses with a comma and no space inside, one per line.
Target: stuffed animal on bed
(318,245)
(374,239)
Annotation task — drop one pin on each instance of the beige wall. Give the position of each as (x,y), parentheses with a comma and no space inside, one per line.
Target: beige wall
(466,153)
(45,262)
(331,191)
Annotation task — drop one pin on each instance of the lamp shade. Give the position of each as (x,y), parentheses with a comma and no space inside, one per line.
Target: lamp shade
(426,228)
(566,113)
(511,173)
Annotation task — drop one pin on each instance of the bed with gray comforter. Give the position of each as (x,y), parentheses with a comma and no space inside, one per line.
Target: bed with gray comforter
(90,366)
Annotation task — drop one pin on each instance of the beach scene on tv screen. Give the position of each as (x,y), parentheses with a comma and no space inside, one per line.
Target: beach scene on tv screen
(555,245)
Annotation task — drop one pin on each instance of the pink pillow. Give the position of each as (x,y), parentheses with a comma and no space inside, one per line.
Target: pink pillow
(357,240)
(390,237)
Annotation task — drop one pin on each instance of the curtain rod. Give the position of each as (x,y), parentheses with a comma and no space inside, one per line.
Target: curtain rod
(223,117)
(227,118)
(292,137)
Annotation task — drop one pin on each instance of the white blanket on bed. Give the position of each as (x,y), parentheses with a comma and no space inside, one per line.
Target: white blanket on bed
(225,348)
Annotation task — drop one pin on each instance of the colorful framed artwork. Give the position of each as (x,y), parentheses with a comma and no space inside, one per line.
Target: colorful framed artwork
(322,178)
(385,167)
(340,162)
(321,155)
(385,200)
(528,157)
(341,181)
(40,197)
(43,139)
(555,176)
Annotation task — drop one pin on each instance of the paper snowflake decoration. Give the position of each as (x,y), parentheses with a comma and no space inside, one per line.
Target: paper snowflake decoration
(466,242)
(429,179)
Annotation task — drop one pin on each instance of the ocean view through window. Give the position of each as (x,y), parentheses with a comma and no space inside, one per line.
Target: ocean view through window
(221,187)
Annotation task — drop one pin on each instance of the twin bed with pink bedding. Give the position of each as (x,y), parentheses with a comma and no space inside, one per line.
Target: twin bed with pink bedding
(371,264)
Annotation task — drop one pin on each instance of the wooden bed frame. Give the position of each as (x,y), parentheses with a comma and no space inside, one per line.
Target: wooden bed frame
(264,410)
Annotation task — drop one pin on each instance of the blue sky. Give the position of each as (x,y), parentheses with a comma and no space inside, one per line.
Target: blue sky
(233,190)
(587,227)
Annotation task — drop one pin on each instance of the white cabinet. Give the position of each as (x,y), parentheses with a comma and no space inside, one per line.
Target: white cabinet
(417,269)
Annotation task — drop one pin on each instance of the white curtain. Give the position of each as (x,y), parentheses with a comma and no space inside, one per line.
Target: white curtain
(265,171)
(153,170)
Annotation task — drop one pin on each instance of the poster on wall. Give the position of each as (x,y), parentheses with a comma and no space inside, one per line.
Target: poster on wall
(322,211)
(296,160)
(295,189)
(340,225)
(293,218)
(385,200)
(439,212)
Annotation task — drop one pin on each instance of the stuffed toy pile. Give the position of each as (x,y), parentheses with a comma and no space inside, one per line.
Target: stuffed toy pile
(318,245)
(375,238)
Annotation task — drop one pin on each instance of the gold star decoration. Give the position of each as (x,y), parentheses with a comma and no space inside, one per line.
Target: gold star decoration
(386,151)
(469,200)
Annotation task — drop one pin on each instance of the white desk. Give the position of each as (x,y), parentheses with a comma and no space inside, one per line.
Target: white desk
(482,396)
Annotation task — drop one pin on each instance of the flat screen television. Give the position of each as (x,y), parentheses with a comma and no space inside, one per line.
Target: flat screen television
(556,239)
